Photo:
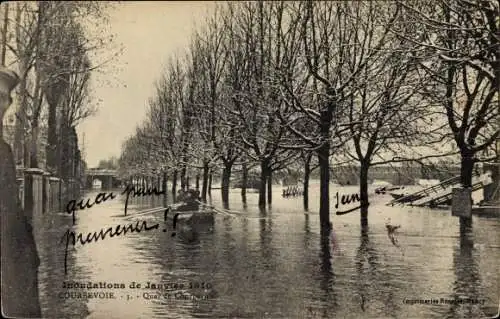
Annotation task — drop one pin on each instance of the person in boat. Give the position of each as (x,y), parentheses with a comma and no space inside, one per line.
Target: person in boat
(181,195)
(189,200)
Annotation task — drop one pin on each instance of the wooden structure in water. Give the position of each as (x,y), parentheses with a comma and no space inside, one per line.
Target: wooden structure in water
(441,193)
(292,191)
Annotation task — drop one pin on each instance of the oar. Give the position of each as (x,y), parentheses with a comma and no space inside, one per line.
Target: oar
(149,211)
(231,213)
(226,210)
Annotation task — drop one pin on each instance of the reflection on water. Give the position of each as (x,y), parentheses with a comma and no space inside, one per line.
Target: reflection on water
(274,263)
(467,278)
(366,266)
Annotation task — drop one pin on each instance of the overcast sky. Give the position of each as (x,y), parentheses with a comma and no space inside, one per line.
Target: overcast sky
(150,33)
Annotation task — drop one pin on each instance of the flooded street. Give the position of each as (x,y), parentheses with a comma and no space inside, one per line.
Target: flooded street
(271,265)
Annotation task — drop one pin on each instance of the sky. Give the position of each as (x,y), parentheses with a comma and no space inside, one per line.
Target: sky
(150,33)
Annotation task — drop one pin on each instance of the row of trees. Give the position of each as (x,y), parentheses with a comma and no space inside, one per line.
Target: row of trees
(277,85)
(50,44)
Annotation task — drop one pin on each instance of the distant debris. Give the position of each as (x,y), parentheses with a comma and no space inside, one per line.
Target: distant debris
(385,189)
(441,193)
(428,182)
(380,183)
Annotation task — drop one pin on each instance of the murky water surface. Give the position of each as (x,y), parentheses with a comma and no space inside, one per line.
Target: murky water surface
(273,265)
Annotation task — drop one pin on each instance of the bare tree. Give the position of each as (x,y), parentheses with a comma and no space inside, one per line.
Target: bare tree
(337,51)
(259,101)
(48,37)
(165,119)
(210,54)
(460,49)
(385,109)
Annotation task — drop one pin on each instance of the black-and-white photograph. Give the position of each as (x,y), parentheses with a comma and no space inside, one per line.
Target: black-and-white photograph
(250,159)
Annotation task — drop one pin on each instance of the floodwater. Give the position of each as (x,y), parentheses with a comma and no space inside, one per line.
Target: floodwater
(273,264)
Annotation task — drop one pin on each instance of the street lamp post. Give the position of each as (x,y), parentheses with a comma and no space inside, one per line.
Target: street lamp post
(19,255)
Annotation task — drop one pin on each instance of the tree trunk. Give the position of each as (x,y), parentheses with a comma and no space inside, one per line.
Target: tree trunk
(307,173)
(264,166)
(71,157)
(34,144)
(4,32)
(65,157)
(183,177)
(51,148)
(326,117)
(226,177)
(269,186)
(197,185)
(23,97)
(164,188)
(324,195)
(210,184)
(63,152)
(466,169)
(18,141)
(204,185)
(363,192)
(174,185)
(244,183)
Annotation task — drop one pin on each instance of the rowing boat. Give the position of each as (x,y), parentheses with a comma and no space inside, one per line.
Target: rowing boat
(194,220)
